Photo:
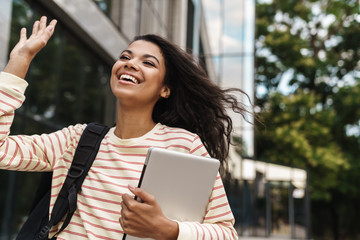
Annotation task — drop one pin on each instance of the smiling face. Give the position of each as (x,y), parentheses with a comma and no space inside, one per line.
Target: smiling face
(137,77)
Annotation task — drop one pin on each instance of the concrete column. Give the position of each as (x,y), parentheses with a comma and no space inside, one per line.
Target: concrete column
(179,22)
(5,22)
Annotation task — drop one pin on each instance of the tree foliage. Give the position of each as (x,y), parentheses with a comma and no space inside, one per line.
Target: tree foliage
(312,48)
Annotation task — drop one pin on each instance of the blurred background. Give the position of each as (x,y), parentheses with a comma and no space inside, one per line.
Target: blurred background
(294,174)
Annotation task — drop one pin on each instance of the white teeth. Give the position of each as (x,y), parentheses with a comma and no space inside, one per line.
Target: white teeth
(128,77)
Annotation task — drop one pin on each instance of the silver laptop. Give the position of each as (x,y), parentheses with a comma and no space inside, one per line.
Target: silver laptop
(181,183)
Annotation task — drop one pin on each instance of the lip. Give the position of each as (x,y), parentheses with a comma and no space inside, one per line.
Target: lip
(118,75)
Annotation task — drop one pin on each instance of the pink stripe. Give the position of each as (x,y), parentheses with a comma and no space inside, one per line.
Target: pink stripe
(90,232)
(172,132)
(223,232)
(13,157)
(197,148)
(6,150)
(124,146)
(100,199)
(96,216)
(179,146)
(218,187)
(9,96)
(30,159)
(217,216)
(45,167)
(102,190)
(214,227)
(117,168)
(5,123)
(45,148)
(34,150)
(45,158)
(21,157)
(68,152)
(118,160)
(229,225)
(64,135)
(116,177)
(96,226)
(97,208)
(59,167)
(169,139)
(202,229)
(75,233)
(16,90)
(107,182)
(56,186)
(211,237)
(8,104)
(219,206)
(59,143)
(124,154)
(217,197)
(58,176)
(52,150)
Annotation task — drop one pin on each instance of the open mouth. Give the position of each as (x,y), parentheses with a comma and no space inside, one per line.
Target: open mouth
(129,78)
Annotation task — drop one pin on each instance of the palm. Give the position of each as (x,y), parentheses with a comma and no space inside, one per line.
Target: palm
(29,47)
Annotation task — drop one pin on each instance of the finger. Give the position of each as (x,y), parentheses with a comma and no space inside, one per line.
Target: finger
(35,27)
(22,35)
(126,200)
(43,20)
(121,221)
(123,211)
(144,196)
(51,26)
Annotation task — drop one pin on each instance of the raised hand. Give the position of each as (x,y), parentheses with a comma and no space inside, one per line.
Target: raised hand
(145,219)
(26,48)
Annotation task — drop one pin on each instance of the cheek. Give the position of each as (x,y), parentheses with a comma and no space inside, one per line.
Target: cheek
(115,67)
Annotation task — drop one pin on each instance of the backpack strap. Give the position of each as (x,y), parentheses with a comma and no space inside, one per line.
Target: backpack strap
(85,154)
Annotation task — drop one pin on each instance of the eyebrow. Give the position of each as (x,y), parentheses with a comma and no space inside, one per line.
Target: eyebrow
(145,55)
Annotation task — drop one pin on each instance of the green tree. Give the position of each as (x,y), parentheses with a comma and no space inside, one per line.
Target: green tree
(316,123)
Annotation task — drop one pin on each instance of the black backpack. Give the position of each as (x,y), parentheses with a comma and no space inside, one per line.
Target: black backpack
(38,225)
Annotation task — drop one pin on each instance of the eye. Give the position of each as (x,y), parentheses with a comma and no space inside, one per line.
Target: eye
(124,57)
(149,63)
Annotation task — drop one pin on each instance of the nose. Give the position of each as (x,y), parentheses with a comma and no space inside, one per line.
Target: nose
(131,64)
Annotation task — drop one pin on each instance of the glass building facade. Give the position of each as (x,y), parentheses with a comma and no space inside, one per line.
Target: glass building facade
(268,200)
(69,83)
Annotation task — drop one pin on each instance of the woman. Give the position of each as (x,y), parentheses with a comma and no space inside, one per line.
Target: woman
(164,100)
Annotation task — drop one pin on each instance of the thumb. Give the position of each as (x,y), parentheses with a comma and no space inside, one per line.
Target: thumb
(142,194)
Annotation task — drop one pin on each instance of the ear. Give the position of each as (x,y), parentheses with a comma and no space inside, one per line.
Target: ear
(165,92)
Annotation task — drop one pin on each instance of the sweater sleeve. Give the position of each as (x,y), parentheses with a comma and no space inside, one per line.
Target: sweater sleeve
(218,221)
(28,153)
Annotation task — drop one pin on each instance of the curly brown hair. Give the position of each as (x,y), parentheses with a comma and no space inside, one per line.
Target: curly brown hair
(195,103)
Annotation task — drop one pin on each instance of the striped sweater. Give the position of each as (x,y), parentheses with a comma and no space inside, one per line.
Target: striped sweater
(118,163)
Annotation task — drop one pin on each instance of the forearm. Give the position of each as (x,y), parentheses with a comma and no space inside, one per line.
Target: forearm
(18,66)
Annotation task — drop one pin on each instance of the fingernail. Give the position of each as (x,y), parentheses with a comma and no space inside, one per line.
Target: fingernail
(50,28)
(131,187)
